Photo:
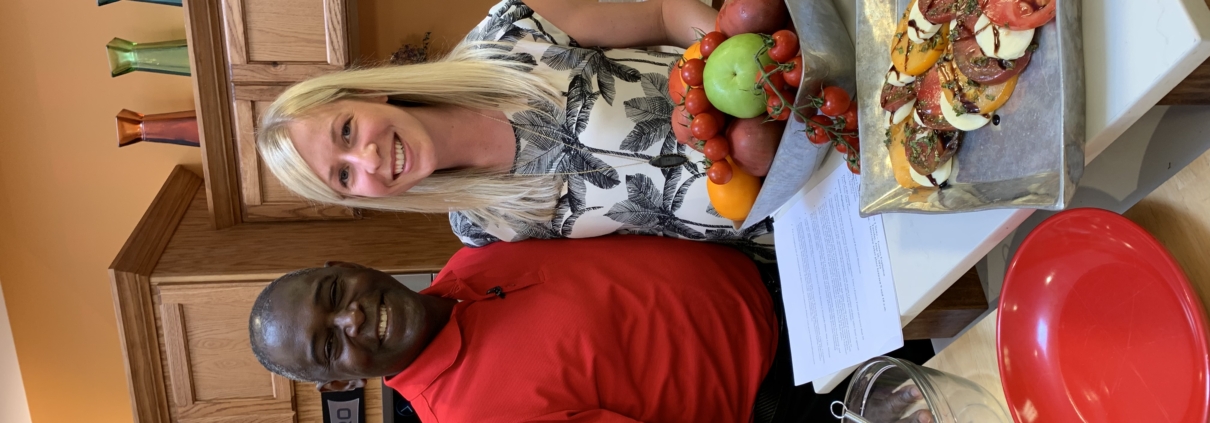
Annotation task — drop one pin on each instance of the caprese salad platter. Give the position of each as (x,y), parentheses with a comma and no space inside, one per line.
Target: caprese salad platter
(969,104)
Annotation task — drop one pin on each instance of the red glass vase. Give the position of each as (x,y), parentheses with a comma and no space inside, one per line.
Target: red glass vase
(170,128)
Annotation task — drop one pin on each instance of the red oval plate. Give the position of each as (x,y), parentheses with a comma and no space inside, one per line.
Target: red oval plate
(1097,323)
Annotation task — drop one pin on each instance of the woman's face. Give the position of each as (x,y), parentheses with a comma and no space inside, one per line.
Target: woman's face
(365,148)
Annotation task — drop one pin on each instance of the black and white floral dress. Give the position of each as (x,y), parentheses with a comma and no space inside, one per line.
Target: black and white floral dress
(616,118)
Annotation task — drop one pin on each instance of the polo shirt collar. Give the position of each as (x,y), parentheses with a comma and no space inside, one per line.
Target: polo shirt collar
(467,286)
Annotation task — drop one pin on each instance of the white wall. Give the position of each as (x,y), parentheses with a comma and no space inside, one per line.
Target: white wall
(13,407)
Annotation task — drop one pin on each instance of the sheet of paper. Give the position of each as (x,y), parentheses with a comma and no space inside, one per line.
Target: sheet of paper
(836,280)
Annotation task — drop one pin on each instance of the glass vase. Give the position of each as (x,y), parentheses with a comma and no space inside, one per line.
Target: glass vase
(170,57)
(163,2)
(169,128)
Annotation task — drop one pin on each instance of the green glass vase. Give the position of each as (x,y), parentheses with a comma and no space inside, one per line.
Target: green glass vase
(169,128)
(163,2)
(170,57)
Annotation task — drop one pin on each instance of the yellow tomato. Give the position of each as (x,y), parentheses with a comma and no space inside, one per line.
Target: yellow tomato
(914,59)
(899,160)
(734,199)
(693,52)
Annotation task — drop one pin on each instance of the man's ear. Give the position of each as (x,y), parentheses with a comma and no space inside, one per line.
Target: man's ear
(337,263)
(340,385)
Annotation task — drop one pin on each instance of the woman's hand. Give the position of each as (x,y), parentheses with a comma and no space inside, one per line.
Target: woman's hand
(630,24)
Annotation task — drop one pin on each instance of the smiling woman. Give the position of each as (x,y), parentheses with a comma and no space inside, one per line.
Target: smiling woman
(522,131)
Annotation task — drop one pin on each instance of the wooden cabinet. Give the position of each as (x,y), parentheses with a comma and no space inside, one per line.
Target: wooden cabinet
(244,53)
(212,374)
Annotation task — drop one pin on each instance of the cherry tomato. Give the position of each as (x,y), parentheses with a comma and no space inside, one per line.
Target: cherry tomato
(850,118)
(817,131)
(854,142)
(835,101)
(854,163)
(705,126)
(710,41)
(696,102)
(793,76)
(691,72)
(719,172)
(785,46)
(776,81)
(840,147)
(717,149)
(777,110)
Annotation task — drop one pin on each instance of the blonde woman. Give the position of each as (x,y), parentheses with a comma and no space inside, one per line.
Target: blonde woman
(529,128)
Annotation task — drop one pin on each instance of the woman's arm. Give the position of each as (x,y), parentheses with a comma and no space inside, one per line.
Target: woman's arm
(640,24)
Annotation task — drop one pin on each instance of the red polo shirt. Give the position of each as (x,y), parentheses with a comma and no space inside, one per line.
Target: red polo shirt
(612,329)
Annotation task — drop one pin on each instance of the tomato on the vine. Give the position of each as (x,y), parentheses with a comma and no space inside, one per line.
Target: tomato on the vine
(717,149)
(775,83)
(854,163)
(835,101)
(776,109)
(705,126)
(696,102)
(710,41)
(793,76)
(719,172)
(817,129)
(692,70)
(850,117)
(840,147)
(785,46)
(854,143)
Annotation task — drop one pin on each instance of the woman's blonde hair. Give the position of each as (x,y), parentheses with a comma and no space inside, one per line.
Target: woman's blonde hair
(476,75)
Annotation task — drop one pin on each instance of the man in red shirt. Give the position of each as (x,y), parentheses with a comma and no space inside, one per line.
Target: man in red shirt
(612,329)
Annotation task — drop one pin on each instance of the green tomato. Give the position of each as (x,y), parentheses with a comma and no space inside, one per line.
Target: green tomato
(730,76)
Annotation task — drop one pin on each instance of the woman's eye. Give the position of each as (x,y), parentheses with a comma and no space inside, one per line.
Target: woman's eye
(347,130)
(344,177)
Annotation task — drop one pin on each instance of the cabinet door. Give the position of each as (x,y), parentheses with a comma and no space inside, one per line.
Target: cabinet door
(264,197)
(285,40)
(212,375)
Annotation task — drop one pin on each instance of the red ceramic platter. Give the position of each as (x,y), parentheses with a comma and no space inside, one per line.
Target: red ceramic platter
(1097,323)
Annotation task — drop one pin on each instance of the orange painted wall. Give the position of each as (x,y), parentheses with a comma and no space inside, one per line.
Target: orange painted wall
(69,197)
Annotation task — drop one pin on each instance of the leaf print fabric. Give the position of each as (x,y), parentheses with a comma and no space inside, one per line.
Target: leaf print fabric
(615,118)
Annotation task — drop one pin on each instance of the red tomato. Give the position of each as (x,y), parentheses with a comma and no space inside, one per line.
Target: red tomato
(775,108)
(776,81)
(840,147)
(793,76)
(854,163)
(705,126)
(691,71)
(854,143)
(785,46)
(817,131)
(850,118)
(1019,14)
(676,85)
(717,149)
(719,172)
(835,101)
(710,41)
(696,102)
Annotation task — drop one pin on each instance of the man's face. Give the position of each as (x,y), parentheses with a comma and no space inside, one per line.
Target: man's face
(345,322)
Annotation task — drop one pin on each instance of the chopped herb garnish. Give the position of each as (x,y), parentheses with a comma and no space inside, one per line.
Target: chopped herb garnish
(990,97)
(1033,47)
(899,50)
(1008,64)
(980,61)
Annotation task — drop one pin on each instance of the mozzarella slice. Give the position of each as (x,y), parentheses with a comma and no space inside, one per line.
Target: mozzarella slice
(916,118)
(1010,45)
(898,79)
(941,175)
(902,113)
(924,29)
(965,121)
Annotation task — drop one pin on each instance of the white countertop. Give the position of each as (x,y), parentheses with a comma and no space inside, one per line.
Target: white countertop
(1135,52)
